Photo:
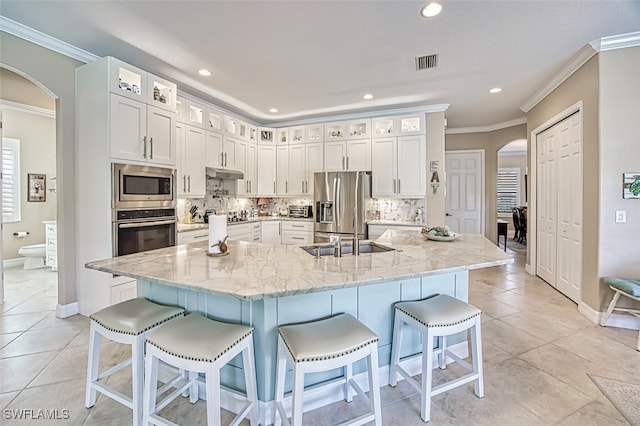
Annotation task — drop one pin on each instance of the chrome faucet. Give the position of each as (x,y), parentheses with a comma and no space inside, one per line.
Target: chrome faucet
(355,250)
(337,246)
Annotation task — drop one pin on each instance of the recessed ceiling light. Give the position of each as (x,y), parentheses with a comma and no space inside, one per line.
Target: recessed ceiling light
(273,110)
(431,10)
(204,72)
(367,96)
(495,90)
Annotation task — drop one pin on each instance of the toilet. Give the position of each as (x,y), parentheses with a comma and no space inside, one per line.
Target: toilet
(34,255)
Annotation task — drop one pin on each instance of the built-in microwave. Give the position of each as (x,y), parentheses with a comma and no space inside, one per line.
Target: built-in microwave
(137,187)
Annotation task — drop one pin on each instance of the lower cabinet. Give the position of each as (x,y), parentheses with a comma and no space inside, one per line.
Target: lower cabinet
(51,235)
(297,232)
(270,232)
(249,232)
(194,236)
(123,288)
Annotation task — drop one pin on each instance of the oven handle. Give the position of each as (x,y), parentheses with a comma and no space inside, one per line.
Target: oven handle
(142,224)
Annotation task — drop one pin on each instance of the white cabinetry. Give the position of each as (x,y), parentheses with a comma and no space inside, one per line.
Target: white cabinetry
(375,231)
(290,176)
(398,126)
(297,232)
(51,235)
(191,161)
(213,149)
(195,236)
(398,166)
(270,232)
(249,186)
(266,169)
(249,232)
(314,162)
(347,155)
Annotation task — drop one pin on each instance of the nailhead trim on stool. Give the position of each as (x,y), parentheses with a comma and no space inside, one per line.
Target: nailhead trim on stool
(127,322)
(325,345)
(437,317)
(196,344)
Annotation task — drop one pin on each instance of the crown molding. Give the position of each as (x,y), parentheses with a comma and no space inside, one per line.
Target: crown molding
(16,106)
(579,59)
(19,30)
(620,41)
(491,128)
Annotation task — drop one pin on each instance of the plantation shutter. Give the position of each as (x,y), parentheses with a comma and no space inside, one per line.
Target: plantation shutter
(10,180)
(508,190)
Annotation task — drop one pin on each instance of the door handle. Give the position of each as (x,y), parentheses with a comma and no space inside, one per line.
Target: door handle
(221,159)
(144,145)
(394,186)
(447,214)
(274,186)
(286,186)
(184,183)
(342,162)
(189,180)
(347,163)
(398,186)
(225,159)
(151,148)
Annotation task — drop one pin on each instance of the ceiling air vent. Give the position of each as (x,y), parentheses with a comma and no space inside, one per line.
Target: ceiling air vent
(426,62)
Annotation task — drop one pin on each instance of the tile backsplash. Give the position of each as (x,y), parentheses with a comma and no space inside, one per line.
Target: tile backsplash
(389,208)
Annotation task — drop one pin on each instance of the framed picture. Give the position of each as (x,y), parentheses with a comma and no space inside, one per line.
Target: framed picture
(631,185)
(37,187)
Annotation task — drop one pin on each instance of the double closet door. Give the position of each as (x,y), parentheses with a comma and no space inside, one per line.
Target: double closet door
(559,206)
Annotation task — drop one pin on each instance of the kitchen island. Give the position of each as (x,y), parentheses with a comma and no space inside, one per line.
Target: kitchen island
(266,285)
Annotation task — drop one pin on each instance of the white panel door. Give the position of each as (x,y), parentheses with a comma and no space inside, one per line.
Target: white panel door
(412,166)
(128,128)
(266,170)
(463,202)
(213,149)
(297,173)
(383,167)
(161,133)
(358,155)
(546,206)
(335,154)
(314,159)
(282,169)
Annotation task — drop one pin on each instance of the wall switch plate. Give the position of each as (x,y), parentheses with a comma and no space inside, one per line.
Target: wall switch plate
(621,216)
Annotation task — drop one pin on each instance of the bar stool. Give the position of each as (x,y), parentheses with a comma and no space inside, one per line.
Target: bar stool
(622,287)
(127,322)
(437,317)
(324,345)
(199,345)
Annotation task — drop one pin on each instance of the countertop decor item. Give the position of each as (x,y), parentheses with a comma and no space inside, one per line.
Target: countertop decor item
(438,233)
(217,234)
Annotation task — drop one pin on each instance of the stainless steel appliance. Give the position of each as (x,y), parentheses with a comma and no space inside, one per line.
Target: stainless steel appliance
(139,187)
(300,211)
(140,230)
(342,201)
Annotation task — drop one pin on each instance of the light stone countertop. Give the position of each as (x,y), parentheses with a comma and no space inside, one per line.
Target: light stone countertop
(254,271)
(395,222)
(186,227)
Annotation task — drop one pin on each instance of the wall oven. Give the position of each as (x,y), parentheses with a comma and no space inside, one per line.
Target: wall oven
(135,231)
(136,187)
(144,208)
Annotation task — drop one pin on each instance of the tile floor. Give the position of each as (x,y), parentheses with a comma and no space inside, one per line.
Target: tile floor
(538,351)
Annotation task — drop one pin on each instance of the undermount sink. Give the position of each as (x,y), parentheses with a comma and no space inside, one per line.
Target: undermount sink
(346,248)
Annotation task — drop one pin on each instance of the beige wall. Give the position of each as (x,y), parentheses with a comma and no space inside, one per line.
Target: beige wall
(581,86)
(491,142)
(619,153)
(56,72)
(37,155)
(16,88)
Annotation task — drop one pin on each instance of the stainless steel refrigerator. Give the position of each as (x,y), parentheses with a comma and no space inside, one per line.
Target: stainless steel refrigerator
(342,202)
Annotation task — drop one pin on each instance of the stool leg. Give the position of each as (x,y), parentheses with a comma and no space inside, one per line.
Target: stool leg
(348,373)
(150,387)
(476,348)
(248,365)
(281,372)
(442,354)
(427,375)
(398,325)
(612,305)
(137,377)
(193,389)
(374,384)
(298,391)
(212,386)
(93,363)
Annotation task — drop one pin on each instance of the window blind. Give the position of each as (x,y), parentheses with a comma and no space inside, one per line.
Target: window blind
(10,180)
(508,190)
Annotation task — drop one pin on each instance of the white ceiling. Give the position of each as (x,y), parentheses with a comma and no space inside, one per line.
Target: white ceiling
(317,58)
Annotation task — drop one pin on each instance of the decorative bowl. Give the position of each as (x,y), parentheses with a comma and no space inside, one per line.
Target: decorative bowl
(450,237)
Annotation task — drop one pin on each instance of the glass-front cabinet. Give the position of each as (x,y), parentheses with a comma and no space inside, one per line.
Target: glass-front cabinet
(213,120)
(314,132)
(359,129)
(282,136)
(335,131)
(297,134)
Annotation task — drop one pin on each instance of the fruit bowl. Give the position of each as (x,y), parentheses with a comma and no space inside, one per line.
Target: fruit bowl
(438,233)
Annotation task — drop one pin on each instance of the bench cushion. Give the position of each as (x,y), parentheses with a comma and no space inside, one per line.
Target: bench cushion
(631,287)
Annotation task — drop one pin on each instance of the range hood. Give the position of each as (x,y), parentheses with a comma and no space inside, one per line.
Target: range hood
(213,172)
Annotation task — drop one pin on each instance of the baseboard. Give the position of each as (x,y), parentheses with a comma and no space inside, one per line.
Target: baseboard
(8,263)
(317,396)
(64,311)
(615,320)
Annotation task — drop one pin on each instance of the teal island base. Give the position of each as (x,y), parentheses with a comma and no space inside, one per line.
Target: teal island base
(373,304)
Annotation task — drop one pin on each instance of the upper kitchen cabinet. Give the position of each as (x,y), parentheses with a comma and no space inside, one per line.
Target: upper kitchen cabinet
(194,114)
(181,105)
(359,129)
(134,83)
(297,134)
(266,170)
(266,135)
(335,131)
(231,127)
(190,143)
(213,120)
(120,112)
(282,136)
(398,166)
(314,132)
(398,126)
(347,155)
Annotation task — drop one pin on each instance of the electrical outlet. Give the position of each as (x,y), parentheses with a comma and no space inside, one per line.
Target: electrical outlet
(621,216)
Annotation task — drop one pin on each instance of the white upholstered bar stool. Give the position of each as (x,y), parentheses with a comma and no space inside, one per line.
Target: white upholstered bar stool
(325,345)
(437,317)
(199,345)
(127,322)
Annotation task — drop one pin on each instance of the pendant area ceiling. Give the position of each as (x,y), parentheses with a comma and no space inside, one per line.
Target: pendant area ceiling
(311,59)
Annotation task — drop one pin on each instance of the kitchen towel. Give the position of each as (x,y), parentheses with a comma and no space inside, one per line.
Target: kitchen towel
(217,232)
